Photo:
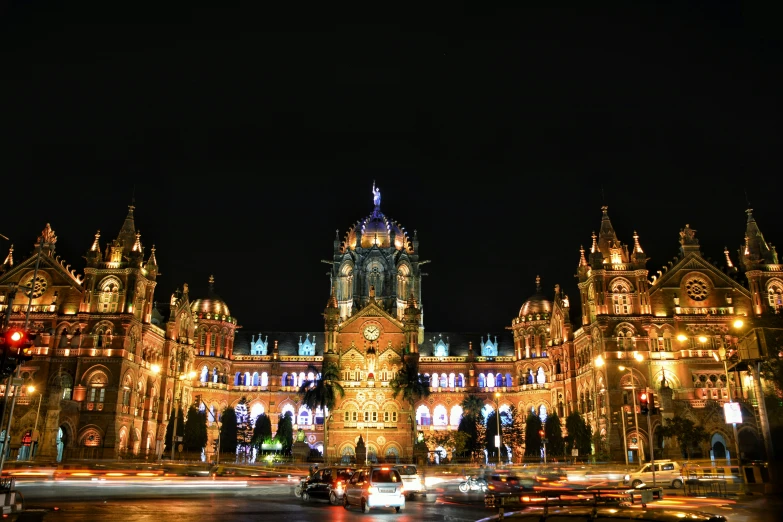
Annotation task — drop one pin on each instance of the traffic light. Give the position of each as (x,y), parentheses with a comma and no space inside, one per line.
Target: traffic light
(14,340)
(651,402)
(26,351)
(644,405)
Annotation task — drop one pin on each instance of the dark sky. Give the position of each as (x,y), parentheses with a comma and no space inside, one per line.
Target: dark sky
(248,136)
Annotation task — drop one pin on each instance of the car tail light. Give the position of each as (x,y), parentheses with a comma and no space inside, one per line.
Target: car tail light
(340,485)
(402,488)
(372,490)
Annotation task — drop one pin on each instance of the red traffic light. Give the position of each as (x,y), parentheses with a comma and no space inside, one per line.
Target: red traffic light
(15,337)
(541,432)
(643,396)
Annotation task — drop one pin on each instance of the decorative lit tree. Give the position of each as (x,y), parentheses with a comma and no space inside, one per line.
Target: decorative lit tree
(514,432)
(262,432)
(244,429)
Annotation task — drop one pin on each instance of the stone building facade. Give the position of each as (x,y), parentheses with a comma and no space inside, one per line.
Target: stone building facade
(110,363)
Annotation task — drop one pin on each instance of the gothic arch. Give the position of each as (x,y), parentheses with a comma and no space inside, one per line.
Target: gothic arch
(91,436)
(620,284)
(98,374)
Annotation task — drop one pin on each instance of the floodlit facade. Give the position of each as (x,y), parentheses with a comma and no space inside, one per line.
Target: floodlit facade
(112,364)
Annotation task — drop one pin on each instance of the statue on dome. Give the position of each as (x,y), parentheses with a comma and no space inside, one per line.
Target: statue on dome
(376,195)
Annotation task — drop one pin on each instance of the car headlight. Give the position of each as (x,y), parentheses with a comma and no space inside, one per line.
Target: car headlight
(627,478)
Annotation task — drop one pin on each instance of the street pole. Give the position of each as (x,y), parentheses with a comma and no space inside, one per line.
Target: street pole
(497,418)
(625,435)
(35,428)
(650,407)
(639,446)
(7,442)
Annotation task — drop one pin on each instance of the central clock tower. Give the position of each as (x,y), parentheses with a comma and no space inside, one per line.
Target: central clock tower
(369,348)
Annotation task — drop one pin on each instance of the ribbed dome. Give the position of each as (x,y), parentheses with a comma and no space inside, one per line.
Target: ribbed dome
(537,303)
(212,304)
(377,230)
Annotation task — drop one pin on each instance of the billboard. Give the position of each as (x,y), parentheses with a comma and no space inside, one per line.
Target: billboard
(732,412)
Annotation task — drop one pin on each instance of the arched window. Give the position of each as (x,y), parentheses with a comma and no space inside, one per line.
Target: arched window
(490,380)
(775,295)
(481,380)
(264,379)
(460,381)
(621,299)
(110,296)
(540,376)
(440,416)
(443,380)
(499,380)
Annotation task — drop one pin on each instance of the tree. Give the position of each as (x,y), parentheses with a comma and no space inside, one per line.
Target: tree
(514,432)
(553,432)
(170,428)
(579,435)
(228,432)
(451,440)
(322,393)
(532,437)
(469,423)
(195,436)
(413,386)
(285,431)
(687,433)
(491,433)
(244,428)
(262,431)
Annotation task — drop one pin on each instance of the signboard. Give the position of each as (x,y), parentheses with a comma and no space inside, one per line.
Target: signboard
(733,412)
(497,441)
(574,452)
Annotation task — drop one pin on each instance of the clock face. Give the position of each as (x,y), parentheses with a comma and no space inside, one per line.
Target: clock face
(371,332)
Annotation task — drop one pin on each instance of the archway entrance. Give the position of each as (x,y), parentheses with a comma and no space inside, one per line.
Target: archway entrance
(718,447)
(750,446)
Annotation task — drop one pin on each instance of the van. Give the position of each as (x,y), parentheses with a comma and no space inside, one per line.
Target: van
(667,473)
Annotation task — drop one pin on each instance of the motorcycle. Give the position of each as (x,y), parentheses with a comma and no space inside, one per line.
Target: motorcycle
(473,484)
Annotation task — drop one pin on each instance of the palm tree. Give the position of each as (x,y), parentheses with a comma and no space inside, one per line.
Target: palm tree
(412,385)
(472,406)
(322,392)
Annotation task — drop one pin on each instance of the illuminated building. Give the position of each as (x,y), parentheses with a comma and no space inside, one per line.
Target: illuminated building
(102,339)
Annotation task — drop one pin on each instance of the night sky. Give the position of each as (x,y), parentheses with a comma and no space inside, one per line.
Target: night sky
(247,136)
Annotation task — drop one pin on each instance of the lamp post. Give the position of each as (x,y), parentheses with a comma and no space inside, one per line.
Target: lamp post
(599,362)
(639,446)
(31,389)
(497,418)
(722,355)
(649,421)
(177,398)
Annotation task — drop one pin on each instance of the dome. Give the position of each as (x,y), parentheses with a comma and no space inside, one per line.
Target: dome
(537,303)
(377,230)
(213,304)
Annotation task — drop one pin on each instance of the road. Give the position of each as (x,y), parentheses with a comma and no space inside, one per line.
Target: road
(186,499)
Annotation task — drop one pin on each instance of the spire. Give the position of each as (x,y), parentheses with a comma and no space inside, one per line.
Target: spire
(152,264)
(756,249)
(594,246)
(211,287)
(728,259)
(96,244)
(9,259)
(332,302)
(127,235)
(538,286)
(412,303)
(137,243)
(582,260)
(637,248)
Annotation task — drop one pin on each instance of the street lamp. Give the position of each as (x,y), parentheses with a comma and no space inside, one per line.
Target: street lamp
(722,355)
(31,389)
(599,363)
(640,446)
(177,399)
(497,418)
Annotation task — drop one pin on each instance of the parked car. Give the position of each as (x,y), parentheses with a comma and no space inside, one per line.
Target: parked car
(667,473)
(327,484)
(411,480)
(375,486)
(508,481)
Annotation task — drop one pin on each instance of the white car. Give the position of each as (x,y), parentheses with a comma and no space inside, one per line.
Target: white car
(411,480)
(667,473)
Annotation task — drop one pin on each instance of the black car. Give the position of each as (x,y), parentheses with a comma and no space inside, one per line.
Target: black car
(327,484)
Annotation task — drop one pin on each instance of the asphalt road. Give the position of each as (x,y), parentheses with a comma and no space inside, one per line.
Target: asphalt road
(192,499)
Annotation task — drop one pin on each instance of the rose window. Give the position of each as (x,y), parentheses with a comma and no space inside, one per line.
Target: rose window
(696,289)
